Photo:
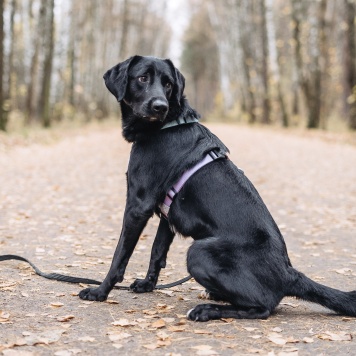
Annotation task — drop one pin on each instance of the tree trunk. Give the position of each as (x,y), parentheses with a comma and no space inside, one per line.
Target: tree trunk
(265,75)
(125,29)
(11,55)
(310,84)
(45,112)
(275,61)
(3,118)
(32,85)
(350,61)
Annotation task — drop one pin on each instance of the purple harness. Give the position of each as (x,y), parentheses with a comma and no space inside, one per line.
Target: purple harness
(210,157)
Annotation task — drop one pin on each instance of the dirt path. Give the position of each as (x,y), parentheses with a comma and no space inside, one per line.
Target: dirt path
(61,206)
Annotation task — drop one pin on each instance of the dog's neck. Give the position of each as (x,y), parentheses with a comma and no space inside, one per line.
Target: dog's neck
(134,128)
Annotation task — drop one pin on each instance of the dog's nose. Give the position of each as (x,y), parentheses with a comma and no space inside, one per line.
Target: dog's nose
(159,106)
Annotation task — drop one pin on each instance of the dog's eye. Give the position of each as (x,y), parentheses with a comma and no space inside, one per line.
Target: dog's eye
(143,79)
(168,85)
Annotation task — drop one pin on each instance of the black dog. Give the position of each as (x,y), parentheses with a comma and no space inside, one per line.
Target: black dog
(238,253)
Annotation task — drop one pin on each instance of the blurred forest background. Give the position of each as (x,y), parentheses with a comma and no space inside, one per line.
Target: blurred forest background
(281,62)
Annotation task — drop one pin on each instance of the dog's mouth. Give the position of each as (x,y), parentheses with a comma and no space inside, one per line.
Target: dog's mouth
(150,118)
(153,118)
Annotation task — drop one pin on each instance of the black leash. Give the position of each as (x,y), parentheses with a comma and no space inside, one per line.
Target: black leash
(71,279)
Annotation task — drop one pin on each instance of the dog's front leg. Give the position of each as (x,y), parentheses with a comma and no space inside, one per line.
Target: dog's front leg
(133,225)
(163,240)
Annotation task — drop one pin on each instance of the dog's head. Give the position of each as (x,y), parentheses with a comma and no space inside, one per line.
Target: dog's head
(149,86)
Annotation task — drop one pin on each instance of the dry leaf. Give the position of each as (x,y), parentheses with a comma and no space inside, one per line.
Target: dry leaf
(161,343)
(115,336)
(63,353)
(65,318)
(46,337)
(308,340)
(256,351)
(345,271)
(276,339)
(335,336)
(151,346)
(86,339)
(4,316)
(177,328)
(277,329)
(169,320)
(117,346)
(123,323)
(249,329)
(111,301)
(207,332)
(163,336)
(158,324)
(57,304)
(18,353)
(204,350)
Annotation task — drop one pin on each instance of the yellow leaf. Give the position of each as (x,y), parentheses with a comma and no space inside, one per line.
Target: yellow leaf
(57,304)
(158,324)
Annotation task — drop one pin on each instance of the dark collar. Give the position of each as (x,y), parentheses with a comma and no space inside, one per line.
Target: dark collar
(180,121)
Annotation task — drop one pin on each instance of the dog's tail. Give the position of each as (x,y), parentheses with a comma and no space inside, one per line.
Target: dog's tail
(304,288)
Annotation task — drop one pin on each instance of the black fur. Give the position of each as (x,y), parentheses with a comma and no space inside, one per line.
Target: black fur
(238,252)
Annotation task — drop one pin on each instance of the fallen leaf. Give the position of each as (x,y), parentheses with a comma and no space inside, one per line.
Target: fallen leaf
(86,339)
(277,329)
(63,353)
(228,320)
(163,336)
(344,271)
(4,316)
(57,304)
(18,353)
(204,350)
(276,339)
(113,336)
(158,324)
(177,328)
(46,337)
(249,328)
(65,318)
(308,340)
(123,323)
(161,343)
(151,346)
(117,346)
(335,336)
(169,320)
(111,301)
(207,332)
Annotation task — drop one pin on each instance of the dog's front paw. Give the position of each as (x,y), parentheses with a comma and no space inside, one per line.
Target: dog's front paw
(93,294)
(142,286)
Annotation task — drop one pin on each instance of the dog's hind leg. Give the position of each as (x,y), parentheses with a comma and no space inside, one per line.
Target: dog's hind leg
(205,312)
(222,273)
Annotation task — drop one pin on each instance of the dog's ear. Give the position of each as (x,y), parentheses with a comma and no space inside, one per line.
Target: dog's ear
(179,81)
(116,78)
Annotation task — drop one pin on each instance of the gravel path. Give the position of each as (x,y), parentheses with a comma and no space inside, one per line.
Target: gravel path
(61,205)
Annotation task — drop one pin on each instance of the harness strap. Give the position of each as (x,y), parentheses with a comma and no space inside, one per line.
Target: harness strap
(173,191)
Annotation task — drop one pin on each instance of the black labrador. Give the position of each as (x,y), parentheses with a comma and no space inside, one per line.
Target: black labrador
(238,253)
